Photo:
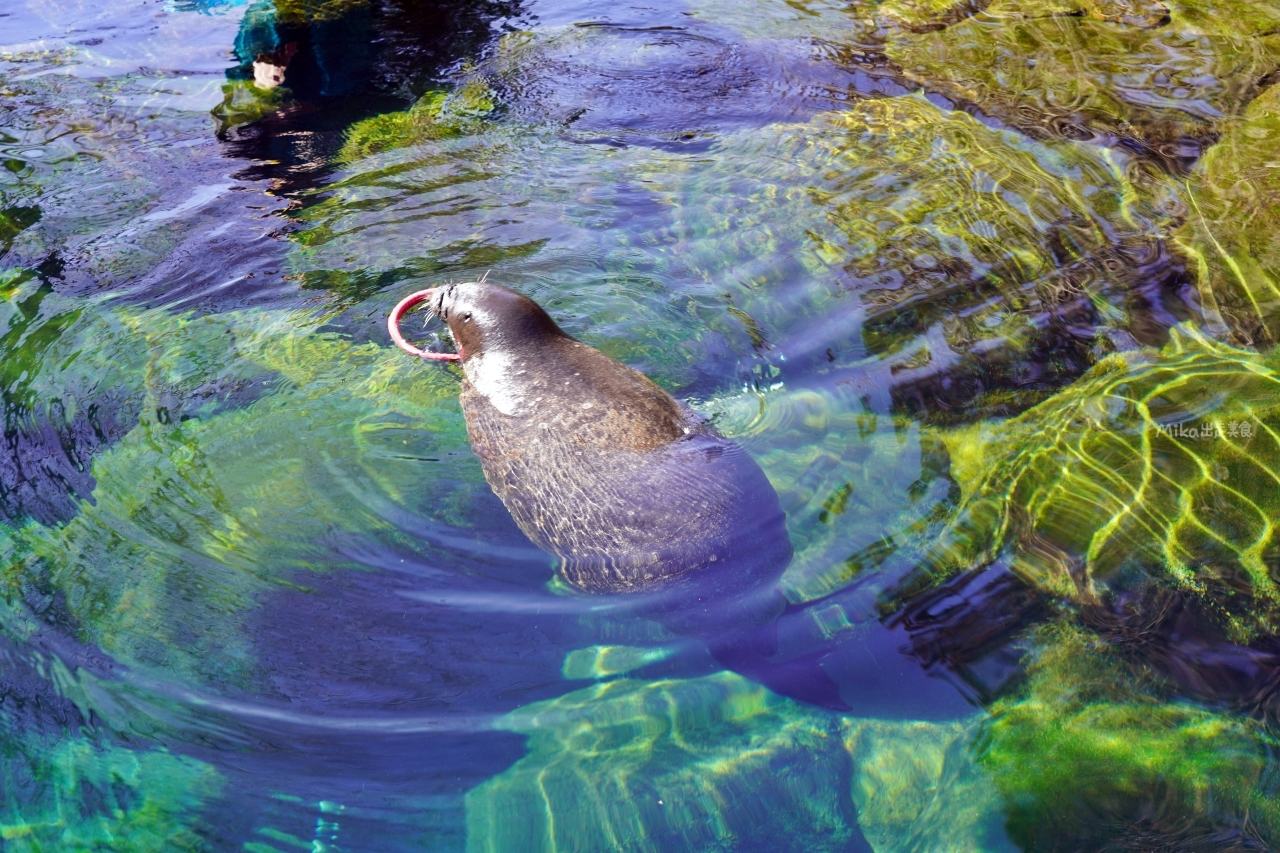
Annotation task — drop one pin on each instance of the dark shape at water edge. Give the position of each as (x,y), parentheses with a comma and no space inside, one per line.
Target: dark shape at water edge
(334,49)
(334,64)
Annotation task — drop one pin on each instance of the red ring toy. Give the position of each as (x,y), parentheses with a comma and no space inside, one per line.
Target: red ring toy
(393,326)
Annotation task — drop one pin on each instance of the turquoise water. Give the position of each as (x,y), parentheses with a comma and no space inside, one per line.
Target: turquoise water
(988,291)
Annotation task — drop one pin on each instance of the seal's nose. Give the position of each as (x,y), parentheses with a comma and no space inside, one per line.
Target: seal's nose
(402,307)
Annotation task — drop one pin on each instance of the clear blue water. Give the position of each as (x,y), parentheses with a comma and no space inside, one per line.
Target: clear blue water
(951,276)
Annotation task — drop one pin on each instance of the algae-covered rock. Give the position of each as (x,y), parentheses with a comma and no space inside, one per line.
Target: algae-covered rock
(925,15)
(991,266)
(1150,471)
(718,763)
(1087,757)
(1252,18)
(968,270)
(310,11)
(1078,73)
(13,220)
(76,377)
(436,115)
(76,795)
(1233,221)
(1135,13)
(928,15)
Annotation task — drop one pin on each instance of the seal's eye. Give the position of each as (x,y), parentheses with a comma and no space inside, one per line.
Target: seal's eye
(466,316)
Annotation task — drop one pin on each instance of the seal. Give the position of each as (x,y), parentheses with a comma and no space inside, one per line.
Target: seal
(631,489)
(638,495)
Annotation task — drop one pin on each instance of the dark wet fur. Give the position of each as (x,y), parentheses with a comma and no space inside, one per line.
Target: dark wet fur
(600,466)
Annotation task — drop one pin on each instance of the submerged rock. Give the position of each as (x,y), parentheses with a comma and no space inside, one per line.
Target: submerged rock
(850,481)
(718,763)
(1231,227)
(919,790)
(1068,69)
(244,102)
(929,15)
(925,15)
(1151,471)
(1134,13)
(992,267)
(76,378)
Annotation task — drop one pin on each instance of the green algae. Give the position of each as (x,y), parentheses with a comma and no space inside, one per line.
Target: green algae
(1058,73)
(1134,13)
(1230,229)
(315,11)
(64,354)
(1087,755)
(1151,470)
(924,15)
(14,220)
(1228,17)
(715,763)
(929,15)
(439,114)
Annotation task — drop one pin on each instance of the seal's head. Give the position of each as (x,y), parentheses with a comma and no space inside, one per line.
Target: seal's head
(489,318)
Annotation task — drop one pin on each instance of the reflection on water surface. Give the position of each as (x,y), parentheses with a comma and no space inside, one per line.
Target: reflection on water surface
(988,290)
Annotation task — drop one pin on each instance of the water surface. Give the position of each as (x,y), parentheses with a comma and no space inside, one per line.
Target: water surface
(989,292)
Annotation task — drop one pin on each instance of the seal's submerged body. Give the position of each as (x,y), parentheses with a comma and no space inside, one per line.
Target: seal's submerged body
(598,465)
